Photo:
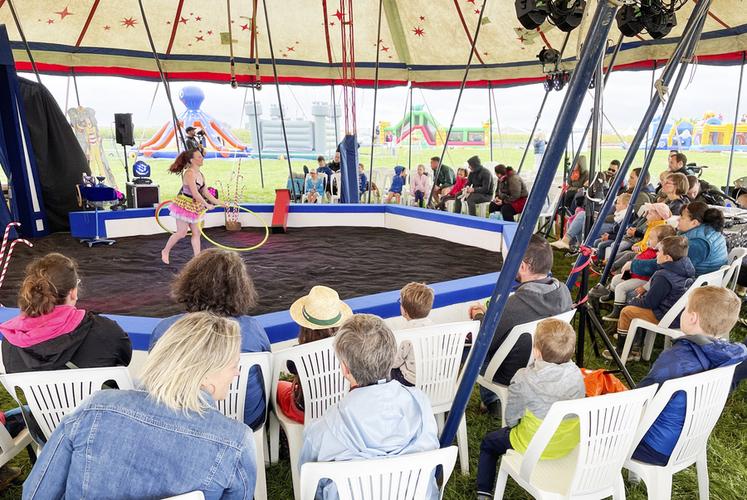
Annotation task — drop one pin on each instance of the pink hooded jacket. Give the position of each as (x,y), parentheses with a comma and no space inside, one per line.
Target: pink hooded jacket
(23,331)
(419,183)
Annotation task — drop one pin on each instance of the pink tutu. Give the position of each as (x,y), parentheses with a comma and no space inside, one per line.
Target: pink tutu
(186,209)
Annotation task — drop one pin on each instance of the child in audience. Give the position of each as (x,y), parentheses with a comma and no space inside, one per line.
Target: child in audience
(362,179)
(533,390)
(710,314)
(415,303)
(398,182)
(378,418)
(420,185)
(456,189)
(314,187)
(319,314)
(667,285)
(655,214)
(608,238)
(640,270)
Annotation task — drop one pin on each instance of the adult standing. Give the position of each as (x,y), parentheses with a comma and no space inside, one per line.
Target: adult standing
(479,187)
(191,140)
(510,194)
(444,182)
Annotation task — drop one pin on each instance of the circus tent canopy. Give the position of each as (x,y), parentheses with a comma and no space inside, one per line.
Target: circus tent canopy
(422,41)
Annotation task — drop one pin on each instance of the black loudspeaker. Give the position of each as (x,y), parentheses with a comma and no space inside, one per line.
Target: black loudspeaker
(123,129)
(142,195)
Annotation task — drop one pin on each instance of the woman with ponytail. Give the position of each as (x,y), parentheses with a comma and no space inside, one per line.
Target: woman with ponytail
(51,333)
(703,227)
(190,204)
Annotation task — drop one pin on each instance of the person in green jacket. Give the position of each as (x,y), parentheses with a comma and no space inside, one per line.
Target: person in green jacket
(445,179)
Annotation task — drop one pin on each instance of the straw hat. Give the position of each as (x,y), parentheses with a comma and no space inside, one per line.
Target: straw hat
(321,308)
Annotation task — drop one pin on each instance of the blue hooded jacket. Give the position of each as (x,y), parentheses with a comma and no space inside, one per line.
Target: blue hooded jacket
(398,182)
(707,249)
(668,284)
(688,355)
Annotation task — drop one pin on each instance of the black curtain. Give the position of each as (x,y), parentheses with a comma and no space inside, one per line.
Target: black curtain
(59,157)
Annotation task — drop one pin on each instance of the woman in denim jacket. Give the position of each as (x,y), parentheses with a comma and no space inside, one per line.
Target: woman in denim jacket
(163,440)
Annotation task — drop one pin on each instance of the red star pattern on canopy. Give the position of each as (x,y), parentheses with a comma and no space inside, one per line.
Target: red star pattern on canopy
(199,38)
(129,22)
(183,20)
(244,27)
(107,27)
(418,31)
(64,13)
(50,21)
(339,15)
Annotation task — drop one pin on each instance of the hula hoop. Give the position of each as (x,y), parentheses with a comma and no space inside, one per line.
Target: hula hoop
(158,220)
(239,249)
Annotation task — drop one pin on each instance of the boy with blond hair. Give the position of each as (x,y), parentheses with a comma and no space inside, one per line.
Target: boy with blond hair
(415,303)
(709,316)
(553,377)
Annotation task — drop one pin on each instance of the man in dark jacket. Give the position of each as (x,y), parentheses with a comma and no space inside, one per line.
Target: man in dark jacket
(444,181)
(538,296)
(479,187)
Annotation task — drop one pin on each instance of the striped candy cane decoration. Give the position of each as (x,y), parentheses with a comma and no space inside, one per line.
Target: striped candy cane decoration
(5,238)
(10,253)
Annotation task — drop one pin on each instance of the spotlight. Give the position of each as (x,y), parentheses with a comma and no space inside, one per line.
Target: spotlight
(629,20)
(657,20)
(549,82)
(548,56)
(531,13)
(567,17)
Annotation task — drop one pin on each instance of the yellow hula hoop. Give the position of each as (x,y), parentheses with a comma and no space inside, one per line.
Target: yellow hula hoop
(158,219)
(239,249)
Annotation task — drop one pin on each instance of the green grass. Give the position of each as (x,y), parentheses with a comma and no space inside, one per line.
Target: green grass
(276,171)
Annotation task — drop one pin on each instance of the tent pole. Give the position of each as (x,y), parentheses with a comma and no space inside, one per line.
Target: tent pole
(534,129)
(409,143)
(591,53)
(490,119)
(736,121)
(25,41)
(647,144)
(280,101)
(456,107)
(334,113)
(497,118)
(376,93)
(685,48)
(259,139)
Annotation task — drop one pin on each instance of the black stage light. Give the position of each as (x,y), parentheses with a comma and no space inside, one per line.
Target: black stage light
(659,23)
(549,83)
(531,13)
(567,17)
(548,56)
(629,20)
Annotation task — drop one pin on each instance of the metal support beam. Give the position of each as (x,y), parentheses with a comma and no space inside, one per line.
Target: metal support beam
(590,55)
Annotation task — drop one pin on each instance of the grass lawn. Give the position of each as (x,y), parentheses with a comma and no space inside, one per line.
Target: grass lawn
(726,454)
(275,171)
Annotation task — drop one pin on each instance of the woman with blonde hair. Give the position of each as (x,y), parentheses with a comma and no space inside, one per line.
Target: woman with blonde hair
(51,333)
(163,440)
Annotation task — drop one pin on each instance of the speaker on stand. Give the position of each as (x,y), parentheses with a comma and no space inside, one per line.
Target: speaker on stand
(124,134)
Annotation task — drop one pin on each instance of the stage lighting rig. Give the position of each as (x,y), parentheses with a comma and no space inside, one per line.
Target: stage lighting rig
(657,17)
(565,14)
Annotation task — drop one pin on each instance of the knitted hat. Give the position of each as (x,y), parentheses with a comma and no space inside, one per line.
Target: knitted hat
(321,308)
(660,208)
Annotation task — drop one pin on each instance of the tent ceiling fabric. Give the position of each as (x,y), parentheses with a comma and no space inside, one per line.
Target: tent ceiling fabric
(422,41)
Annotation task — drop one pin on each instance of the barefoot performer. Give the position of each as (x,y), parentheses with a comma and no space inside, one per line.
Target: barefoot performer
(193,200)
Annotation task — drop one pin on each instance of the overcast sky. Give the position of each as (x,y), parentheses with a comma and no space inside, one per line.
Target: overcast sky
(708,88)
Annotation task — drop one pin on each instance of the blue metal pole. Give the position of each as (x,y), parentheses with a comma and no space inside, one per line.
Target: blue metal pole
(687,43)
(591,54)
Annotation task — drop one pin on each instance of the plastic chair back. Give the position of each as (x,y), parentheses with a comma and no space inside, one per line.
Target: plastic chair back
(736,258)
(405,477)
(706,394)
(319,374)
(233,405)
(438,353)
(53,394)
(607,428)
(714,278)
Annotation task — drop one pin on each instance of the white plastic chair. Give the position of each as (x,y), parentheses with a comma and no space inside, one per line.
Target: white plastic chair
(53,394)
(438,353)
(594,469)
(320,197)
(499,357)
(233,407)
(706,394)
(481,209)
(335,188)
(193,495)
(404,477)
(323,386)
(665,324)
(736,257)
(12,446)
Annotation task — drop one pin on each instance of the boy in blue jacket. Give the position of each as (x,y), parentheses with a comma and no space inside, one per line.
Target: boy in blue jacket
(398,182)
(710,315)
(675,275)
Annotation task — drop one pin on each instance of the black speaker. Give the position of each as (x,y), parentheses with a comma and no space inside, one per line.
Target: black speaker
(123,129)
(142,195)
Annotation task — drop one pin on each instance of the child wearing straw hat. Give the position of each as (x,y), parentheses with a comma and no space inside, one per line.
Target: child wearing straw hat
(318,314)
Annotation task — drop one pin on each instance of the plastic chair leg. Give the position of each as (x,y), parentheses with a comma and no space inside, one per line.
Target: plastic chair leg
(294,434)
(274,426)
(648,345)
(626,348)
(260,443)
(500,484)
(701,464)
(440,422)
(463,445)
(660,485)
(619,493)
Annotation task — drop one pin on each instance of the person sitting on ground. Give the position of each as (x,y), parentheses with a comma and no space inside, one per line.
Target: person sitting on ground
(314,187)
(637,272)
(420,186)
(51,333)
(675,275)
(703,227)
(227,273)
(538,296)
(578,178)
(455,190)
(318,314)
(637,236)
(510,195)
(479,187)
(445,180)
(397,184)
(710,315)
(675,187)
(415,303)
(553,377)
(164,439)
(379,417)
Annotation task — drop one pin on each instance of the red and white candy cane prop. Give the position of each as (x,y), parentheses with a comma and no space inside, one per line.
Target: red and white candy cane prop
(10,253)
(5,238)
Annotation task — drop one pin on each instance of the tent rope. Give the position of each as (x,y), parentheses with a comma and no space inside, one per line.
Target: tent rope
(25,41)
(376,93)
(232,60)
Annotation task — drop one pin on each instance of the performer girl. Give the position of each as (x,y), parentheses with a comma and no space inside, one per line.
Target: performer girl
(192,200)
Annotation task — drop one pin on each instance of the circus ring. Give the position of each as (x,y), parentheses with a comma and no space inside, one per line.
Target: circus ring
(482,240)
